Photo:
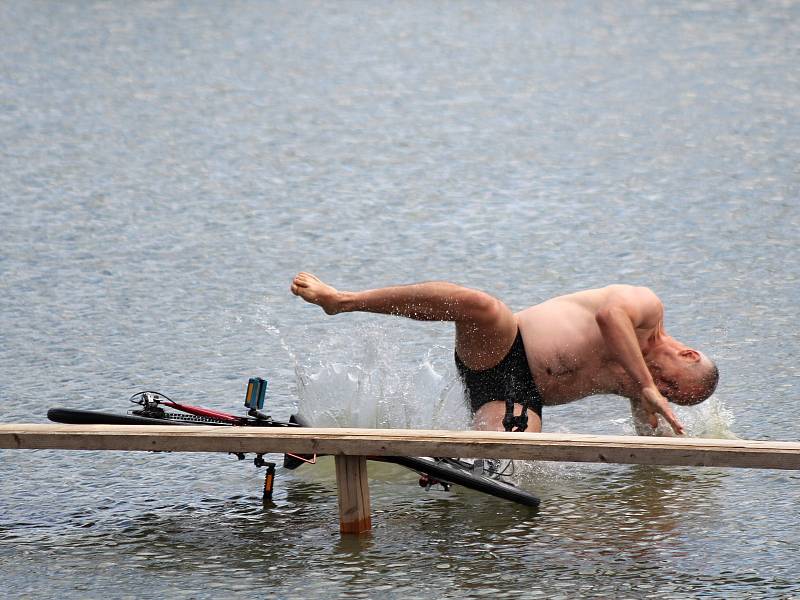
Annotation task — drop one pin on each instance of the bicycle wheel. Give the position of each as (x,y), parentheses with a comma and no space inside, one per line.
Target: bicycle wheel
(91,417)
(448,472)
(465,477)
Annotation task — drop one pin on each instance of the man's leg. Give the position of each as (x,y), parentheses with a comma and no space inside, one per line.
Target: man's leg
(485,327)
(489,417)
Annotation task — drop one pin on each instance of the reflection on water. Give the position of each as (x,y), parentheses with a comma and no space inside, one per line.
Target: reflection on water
(603,529)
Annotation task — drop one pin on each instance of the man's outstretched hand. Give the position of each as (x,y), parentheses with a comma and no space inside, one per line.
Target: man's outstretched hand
(653,404)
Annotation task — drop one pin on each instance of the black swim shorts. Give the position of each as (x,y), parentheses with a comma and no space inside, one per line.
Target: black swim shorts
(510,379)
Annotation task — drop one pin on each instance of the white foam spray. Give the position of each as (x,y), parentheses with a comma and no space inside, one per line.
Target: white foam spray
(710,419)
(368,385)
(266,320)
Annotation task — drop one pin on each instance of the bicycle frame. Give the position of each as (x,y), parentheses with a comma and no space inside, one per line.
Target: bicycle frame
(151,401)
(203,412)
(433,471)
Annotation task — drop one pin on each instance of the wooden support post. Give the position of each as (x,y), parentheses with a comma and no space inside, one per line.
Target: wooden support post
(351,479)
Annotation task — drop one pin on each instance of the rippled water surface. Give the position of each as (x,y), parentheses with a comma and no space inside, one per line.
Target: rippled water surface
(166,168)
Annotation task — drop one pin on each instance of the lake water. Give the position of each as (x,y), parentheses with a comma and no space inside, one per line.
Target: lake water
(167,167)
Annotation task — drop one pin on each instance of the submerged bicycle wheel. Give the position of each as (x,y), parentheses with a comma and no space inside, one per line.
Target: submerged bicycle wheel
(447,471)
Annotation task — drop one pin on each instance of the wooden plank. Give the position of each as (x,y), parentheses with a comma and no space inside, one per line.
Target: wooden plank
(351,479)
(388,442)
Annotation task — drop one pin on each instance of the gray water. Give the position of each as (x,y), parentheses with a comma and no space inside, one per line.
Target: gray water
(167,167)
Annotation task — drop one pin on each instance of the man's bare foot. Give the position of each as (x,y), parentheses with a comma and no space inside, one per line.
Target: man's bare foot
(311,289)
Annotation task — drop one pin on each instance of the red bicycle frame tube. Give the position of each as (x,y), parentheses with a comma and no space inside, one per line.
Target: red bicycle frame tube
(202,412)
(222,416)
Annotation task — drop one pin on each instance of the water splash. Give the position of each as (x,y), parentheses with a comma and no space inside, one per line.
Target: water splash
(710,419)
(268,322)
(368,385)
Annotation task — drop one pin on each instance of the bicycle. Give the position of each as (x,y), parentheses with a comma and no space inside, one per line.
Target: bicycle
(156,408)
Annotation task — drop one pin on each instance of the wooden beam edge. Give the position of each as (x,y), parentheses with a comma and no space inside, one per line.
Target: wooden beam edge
(363,442)
(491,438)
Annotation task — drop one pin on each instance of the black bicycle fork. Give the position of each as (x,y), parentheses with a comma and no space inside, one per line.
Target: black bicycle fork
(269,476)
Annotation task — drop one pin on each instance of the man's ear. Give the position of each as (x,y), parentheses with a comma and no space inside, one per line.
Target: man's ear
(690,354)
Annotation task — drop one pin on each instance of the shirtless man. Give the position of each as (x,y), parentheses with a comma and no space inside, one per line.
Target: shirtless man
(604,341)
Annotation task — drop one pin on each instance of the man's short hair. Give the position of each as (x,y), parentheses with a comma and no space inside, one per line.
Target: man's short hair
(711,378)
(706,378)
(698,383)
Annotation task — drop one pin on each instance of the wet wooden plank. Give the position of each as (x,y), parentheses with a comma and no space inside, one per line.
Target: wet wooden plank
(388,442)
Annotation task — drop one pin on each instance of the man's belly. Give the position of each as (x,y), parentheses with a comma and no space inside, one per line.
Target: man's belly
(565,356)
(562,390)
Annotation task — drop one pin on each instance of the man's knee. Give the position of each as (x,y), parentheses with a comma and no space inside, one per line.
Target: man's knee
(484,308)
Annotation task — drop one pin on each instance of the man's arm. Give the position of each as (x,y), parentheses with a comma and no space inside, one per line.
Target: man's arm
(642,424)
(618,319)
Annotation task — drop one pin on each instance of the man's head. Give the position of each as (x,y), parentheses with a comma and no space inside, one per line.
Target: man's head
(683,375)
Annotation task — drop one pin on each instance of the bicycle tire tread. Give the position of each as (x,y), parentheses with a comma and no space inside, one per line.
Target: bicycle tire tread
(73,416)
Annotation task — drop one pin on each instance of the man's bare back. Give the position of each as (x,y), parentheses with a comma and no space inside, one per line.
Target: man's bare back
(603,341)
